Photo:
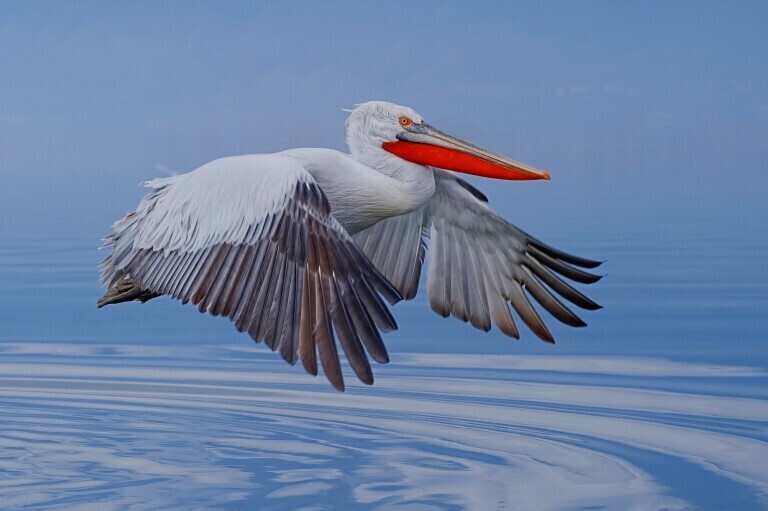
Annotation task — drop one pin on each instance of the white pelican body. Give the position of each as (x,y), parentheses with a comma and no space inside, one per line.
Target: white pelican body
(298,245)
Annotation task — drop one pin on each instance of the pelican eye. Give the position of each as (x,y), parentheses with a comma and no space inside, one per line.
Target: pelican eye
(405,121)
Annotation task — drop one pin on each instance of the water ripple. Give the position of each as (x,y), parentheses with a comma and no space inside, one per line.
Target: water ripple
(115,427)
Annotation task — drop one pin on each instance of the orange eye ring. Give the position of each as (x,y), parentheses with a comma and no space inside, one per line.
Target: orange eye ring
(405,121)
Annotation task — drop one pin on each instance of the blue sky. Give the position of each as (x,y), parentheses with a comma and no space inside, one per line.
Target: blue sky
(651,111)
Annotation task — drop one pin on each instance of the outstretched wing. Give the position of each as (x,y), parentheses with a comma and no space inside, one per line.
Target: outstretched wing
(479,263)
(396,247)
(252,238)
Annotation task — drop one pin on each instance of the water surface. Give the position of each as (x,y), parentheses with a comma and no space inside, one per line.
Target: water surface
(659,404)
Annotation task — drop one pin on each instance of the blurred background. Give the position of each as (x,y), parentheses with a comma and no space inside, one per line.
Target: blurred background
(654,112)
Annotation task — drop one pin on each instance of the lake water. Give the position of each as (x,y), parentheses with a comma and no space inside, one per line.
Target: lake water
(661,403)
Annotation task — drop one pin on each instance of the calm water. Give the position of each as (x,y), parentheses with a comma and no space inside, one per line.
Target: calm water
(660,404)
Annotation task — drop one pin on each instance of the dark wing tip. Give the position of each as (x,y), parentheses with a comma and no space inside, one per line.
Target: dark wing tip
(586,263)
(592,263)
(440,309)
(386,289)
(572,272)
(565,256)
(546,338)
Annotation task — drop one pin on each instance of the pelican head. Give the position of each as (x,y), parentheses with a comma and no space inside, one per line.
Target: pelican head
(379,132)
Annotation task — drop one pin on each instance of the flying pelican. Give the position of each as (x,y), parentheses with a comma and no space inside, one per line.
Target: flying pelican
(296,245)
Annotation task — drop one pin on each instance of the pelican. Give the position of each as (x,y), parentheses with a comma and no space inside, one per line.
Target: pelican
(305,246)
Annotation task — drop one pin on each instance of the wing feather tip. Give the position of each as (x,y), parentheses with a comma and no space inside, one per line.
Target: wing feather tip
(589,304)
(597,278)
(439,309)
(309,368)
(593,278)
(337,384)
(389,328)
(546,337)
(481,324)
(565,256)
(368,380)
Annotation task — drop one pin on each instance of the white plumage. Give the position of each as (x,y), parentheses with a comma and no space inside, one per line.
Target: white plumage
(267,240)
(223,201)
